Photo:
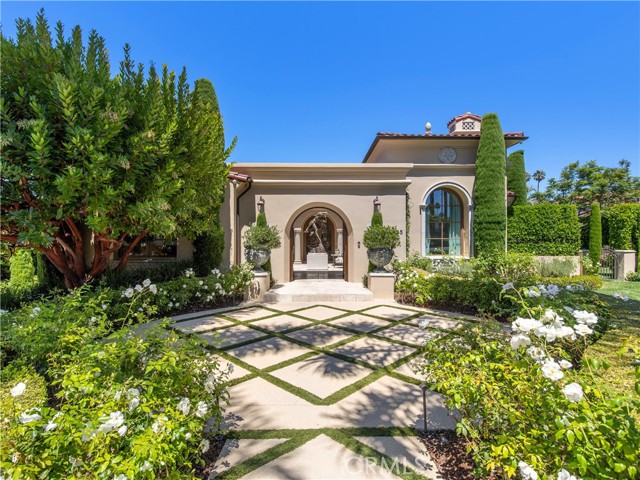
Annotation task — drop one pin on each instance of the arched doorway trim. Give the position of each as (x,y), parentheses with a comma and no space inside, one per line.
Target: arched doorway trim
(295,226)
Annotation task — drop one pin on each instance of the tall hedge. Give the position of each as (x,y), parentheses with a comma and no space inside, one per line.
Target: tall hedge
(517,178)
(489,193)
(544,229)
(595,233)
(209,246)
(624,226)
(208,249)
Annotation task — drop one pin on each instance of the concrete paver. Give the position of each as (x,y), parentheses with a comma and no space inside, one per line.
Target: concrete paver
(203,324)
(320,335)
(379,401)
(322,375)
(280,322)
(321,458)
(374,352)
(362,323)
(407,454)
(231,336)
(268,352)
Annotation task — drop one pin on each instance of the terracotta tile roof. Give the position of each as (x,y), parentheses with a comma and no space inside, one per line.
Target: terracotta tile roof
(442,135)
(465,116)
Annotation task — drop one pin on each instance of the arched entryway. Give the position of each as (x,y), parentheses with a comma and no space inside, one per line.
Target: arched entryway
(319,245)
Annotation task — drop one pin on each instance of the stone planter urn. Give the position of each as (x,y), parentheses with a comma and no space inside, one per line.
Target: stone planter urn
(380,257)
(257,257)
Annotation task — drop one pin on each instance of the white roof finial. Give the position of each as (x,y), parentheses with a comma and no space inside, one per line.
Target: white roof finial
(428,128)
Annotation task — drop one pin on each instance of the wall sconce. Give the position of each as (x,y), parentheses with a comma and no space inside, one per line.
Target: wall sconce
(511,197)
(376,204)
(261,205)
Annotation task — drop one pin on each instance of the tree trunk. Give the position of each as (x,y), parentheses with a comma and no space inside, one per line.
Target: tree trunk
(125,256)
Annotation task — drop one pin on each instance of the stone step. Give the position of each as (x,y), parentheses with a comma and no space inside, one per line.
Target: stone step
(318,291)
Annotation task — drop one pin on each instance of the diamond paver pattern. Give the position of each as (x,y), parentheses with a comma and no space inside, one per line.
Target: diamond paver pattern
(330,375)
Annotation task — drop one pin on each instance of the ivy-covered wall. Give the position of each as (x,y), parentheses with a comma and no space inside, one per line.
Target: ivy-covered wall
(544,229)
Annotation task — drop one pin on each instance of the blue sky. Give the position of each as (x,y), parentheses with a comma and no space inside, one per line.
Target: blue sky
(314,82)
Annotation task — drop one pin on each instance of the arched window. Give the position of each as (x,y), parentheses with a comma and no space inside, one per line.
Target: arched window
(443,223)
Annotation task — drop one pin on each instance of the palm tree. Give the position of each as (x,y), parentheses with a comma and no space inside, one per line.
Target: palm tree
(538,176)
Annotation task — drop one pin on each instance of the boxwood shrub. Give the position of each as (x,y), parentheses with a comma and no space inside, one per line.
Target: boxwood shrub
(544,229)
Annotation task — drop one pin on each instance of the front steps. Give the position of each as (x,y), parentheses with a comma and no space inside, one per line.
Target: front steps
(314,291)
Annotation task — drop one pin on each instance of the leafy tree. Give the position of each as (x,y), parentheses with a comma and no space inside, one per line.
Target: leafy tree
(595,233)
(209,246)
(93,163)
(490,209)
(517,177)
(581,185)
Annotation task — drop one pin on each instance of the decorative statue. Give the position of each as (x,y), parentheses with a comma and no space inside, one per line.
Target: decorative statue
(317,224)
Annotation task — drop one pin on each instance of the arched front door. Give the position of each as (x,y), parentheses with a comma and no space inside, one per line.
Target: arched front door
(319,246)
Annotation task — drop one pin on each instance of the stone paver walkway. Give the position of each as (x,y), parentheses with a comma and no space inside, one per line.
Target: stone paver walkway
(325,390)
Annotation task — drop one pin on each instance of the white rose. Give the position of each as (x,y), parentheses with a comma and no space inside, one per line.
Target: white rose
(525,325)
(153,289)
(527,472)
(564,364)
(520,340)
(552,370)
(184,406)
(582,330)
(30,417)
(204,445)
(18,389)
(122,430)
(201,409)
(146,283)
(564,475)
(573,392)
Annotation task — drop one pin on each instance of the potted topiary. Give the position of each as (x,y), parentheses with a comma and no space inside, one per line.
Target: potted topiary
(380,241)
(259,240)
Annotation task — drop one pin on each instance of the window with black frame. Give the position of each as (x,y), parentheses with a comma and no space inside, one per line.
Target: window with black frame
(152,247)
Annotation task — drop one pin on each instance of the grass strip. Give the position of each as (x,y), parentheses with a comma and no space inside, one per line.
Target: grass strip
(242,469)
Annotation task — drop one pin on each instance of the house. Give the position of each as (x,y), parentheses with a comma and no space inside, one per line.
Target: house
(422,184)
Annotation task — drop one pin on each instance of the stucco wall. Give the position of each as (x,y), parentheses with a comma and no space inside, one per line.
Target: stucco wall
(355,205)
(423,181)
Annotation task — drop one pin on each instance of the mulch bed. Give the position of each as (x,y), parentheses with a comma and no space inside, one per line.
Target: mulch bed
(449,452)
(210,457)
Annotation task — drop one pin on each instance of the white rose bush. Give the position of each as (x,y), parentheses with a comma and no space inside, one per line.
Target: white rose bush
(528,402)
(120,403)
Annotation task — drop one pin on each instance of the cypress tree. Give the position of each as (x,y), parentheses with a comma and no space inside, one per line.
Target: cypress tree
(517,177)
(376,219)
(261,221)
(489,194)
(595,233)
(209,246)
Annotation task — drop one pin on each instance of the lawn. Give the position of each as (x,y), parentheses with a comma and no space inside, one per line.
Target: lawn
(620,346)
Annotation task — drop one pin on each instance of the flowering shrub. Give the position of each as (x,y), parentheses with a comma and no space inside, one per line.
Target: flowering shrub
(478,293)
(125,404)
(527,405)
(128,406)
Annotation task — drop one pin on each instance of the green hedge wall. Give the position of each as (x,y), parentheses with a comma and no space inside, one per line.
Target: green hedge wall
(624,226)
(544,229)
